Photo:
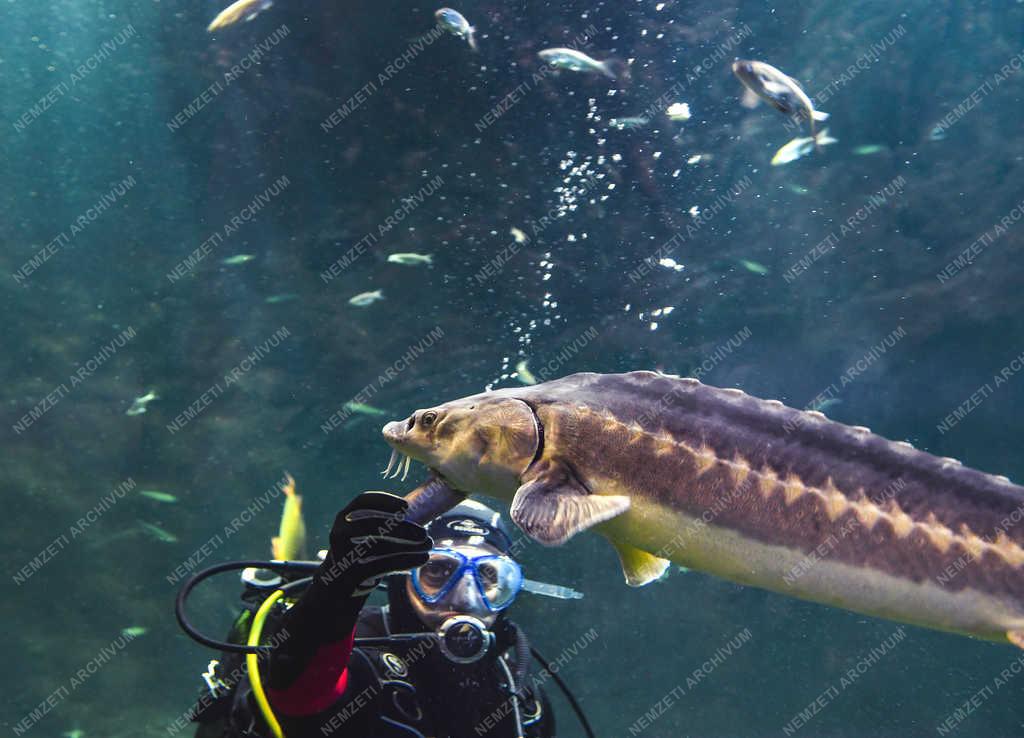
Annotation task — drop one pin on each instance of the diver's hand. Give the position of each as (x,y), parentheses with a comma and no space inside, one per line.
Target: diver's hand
(370,539)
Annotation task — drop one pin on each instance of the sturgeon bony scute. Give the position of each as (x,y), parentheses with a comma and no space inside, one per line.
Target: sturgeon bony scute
(668,468)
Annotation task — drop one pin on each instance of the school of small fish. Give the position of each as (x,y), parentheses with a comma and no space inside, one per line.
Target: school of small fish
(761,82)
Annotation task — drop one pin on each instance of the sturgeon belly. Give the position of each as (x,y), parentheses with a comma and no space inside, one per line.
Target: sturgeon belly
(788,500)
(816,576)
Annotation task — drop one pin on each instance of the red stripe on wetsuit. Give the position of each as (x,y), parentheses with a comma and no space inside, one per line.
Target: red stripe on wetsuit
(320,684)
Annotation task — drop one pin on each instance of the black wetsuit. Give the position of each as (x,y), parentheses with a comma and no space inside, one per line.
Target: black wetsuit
(319,684)
(407,690)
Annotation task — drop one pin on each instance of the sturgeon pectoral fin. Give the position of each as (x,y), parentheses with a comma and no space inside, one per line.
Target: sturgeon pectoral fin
(640,567)
(553,506)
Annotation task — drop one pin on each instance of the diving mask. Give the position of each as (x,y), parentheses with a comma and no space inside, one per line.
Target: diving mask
(497,578)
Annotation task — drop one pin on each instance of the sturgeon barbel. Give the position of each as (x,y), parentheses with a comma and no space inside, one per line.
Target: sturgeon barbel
(750,490)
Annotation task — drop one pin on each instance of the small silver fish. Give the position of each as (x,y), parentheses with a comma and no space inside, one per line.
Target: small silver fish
(801,147)
(518,235)
(139,403)
(753,266)
(456,24)
(576,61)
(237,259)
(366,298)
(241,10)
(283,297)
(636,121)
(158,533)
(411,259)
(869,149)
(782,92)
(361,408)
(155,494)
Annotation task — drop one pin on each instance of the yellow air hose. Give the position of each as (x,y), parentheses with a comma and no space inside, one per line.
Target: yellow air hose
(252,663)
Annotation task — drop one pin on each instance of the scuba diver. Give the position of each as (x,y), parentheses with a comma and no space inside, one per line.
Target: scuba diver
(441,658)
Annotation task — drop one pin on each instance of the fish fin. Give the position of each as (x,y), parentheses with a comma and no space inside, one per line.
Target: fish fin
(1016,637)
(471,39)
(819,115)
(823,139)
(615,68)
(277,548)
(553,506)
(289,485)
(749,99)
(640,567)
(264,5)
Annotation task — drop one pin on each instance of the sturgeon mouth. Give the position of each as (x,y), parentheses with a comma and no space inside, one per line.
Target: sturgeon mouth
(402,467)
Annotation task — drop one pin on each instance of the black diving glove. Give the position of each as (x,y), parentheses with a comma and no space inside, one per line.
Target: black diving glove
(370,539)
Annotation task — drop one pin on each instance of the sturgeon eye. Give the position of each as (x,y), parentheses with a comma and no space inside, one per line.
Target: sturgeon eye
(428,418)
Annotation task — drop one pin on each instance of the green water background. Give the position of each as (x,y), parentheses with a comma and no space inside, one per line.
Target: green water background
(115,121)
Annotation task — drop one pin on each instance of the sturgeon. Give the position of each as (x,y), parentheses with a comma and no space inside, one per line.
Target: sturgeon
(670,469)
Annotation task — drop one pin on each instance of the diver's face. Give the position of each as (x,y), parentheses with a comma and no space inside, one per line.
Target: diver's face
(463,599)
(475,444)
